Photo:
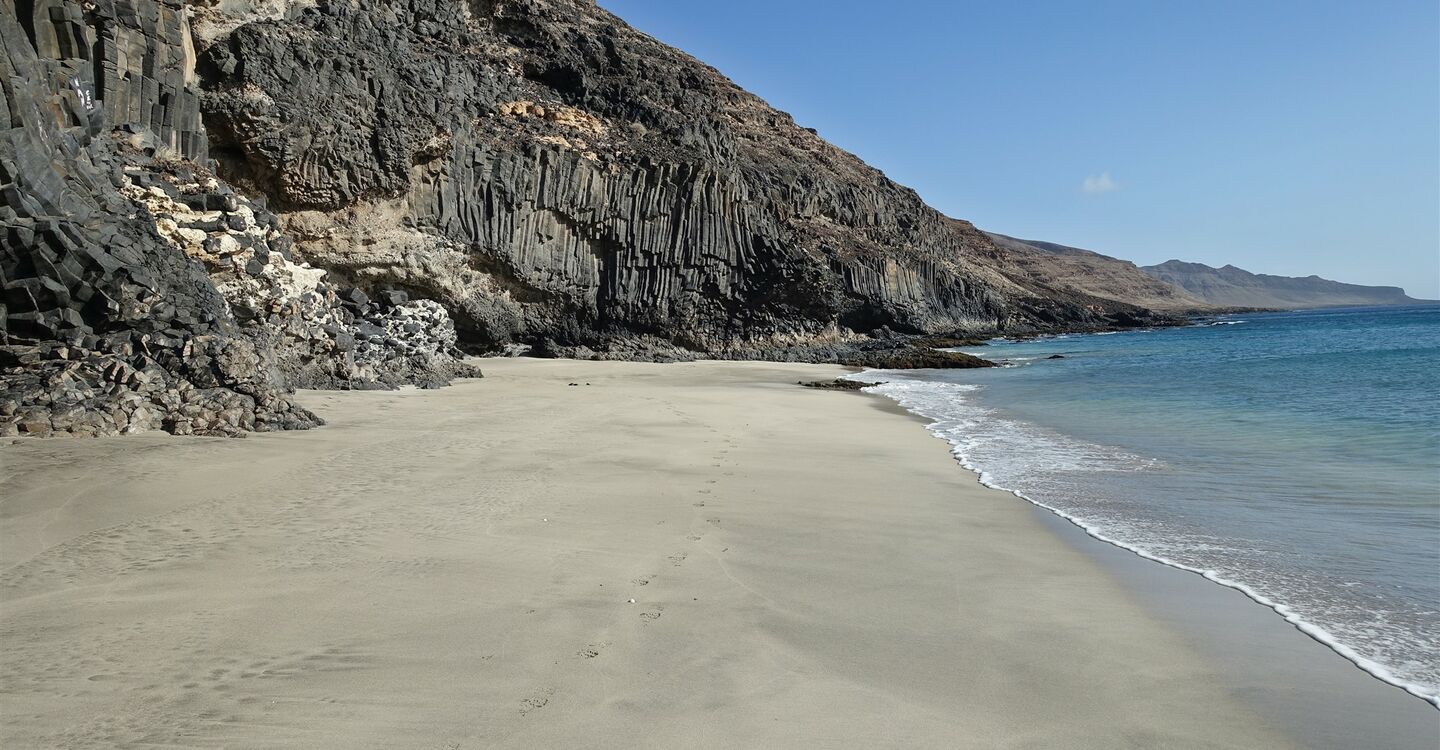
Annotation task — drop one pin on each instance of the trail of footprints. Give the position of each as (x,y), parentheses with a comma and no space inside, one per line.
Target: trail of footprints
(648,614)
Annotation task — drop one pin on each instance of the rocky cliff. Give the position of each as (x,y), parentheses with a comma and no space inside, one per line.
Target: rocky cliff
(548,172)
(139,291)
(207,204)
(1235,287)
(1098,275)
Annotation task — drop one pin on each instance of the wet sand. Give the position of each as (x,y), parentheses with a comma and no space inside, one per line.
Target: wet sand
(1304,688)
(454,569)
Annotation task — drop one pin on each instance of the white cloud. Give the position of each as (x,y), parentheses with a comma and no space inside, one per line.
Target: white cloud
(1100,183)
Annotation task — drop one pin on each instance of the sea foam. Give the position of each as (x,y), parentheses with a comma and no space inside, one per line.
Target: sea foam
(1007,453)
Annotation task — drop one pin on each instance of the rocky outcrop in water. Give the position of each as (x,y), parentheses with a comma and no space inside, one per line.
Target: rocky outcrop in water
(838,384)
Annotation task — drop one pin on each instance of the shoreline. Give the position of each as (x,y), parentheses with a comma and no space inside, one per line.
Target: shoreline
(1327,697)
(803,569)
(1308,690)
(1312,630)
(1315,632)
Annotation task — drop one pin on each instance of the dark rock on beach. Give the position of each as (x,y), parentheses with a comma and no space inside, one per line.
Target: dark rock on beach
(838,384)
(914,358)
(882,354)
(896,353)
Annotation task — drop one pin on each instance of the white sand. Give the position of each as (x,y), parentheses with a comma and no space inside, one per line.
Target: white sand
(451,569)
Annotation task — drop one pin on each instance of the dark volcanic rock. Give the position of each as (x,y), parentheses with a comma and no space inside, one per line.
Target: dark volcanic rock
(915,358)
(901,353)
(106,328)
(891,353)
(345,194)
(125,266)
(949,342)
(838,384)
(545,171)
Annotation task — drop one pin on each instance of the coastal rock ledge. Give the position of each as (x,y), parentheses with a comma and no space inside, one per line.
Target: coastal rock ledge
(205,205)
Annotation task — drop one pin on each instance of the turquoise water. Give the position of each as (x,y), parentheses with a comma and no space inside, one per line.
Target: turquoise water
(1295,456)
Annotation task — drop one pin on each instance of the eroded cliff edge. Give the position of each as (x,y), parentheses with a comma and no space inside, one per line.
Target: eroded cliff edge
(547,171)
(237,198)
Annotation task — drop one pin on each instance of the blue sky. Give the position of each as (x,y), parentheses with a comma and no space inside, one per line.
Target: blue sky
(1283,137)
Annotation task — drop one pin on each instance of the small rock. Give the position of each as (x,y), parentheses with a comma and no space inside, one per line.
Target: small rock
(838,384)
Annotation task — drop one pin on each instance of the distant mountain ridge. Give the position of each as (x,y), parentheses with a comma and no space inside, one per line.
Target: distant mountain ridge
(1062,266)
(1235,287)
(1185,287)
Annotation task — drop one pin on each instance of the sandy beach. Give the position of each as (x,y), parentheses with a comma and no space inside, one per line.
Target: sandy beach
(456,569)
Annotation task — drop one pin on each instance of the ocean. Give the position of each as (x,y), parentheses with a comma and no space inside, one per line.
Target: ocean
(1294,456)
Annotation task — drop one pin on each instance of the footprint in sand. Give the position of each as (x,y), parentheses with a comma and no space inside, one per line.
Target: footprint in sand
(591,651)
(537,701)
(649,617)
(676,560)
(642,581)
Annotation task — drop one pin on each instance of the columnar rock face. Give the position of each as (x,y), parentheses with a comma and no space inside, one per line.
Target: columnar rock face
(117,246)
(207,204)
(547,172)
